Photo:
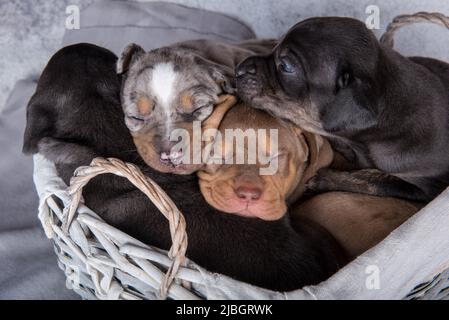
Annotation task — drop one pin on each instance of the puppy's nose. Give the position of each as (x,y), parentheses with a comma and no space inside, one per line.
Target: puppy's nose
(246,67)
(248,193)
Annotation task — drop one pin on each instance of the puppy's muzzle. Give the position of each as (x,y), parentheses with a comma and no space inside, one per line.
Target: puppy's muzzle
(248,77)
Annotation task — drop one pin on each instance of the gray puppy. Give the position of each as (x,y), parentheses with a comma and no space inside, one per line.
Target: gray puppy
(171,87)
(386,113)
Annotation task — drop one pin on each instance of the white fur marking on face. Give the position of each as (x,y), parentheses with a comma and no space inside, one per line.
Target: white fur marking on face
(162,85)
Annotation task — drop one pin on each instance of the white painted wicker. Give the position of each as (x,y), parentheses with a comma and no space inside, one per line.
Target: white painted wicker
(104,263)
(101,262)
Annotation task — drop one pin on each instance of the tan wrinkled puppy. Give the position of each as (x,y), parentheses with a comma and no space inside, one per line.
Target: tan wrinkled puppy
(357,221)
(241,188)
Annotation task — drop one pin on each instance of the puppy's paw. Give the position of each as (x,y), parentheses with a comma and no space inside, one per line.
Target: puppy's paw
(319,183)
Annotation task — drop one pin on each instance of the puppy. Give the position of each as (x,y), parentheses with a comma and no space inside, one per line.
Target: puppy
(289,160)
(379,109)
(357,221)
(75,115)
(167,90)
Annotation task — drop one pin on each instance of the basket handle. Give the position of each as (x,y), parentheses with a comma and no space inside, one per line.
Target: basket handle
(408,19)
(153,191)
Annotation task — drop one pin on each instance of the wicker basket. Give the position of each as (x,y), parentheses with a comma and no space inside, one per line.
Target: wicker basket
(101,262)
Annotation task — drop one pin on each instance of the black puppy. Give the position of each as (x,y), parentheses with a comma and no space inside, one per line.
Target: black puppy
(379,109)
(75,115)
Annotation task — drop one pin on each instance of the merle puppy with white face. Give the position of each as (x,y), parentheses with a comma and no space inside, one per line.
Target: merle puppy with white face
(171,87)
(386,113)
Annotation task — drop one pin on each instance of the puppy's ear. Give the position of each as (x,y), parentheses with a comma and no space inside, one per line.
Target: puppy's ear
(222,75)
(39,124)
(128,57)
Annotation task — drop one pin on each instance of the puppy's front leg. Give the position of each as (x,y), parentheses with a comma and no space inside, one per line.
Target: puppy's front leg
(65,153)
(367,181)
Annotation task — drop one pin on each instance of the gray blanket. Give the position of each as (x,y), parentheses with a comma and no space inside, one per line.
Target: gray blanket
(28,268)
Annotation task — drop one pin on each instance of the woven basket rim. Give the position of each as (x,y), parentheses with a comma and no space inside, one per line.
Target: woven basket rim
(202,282)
